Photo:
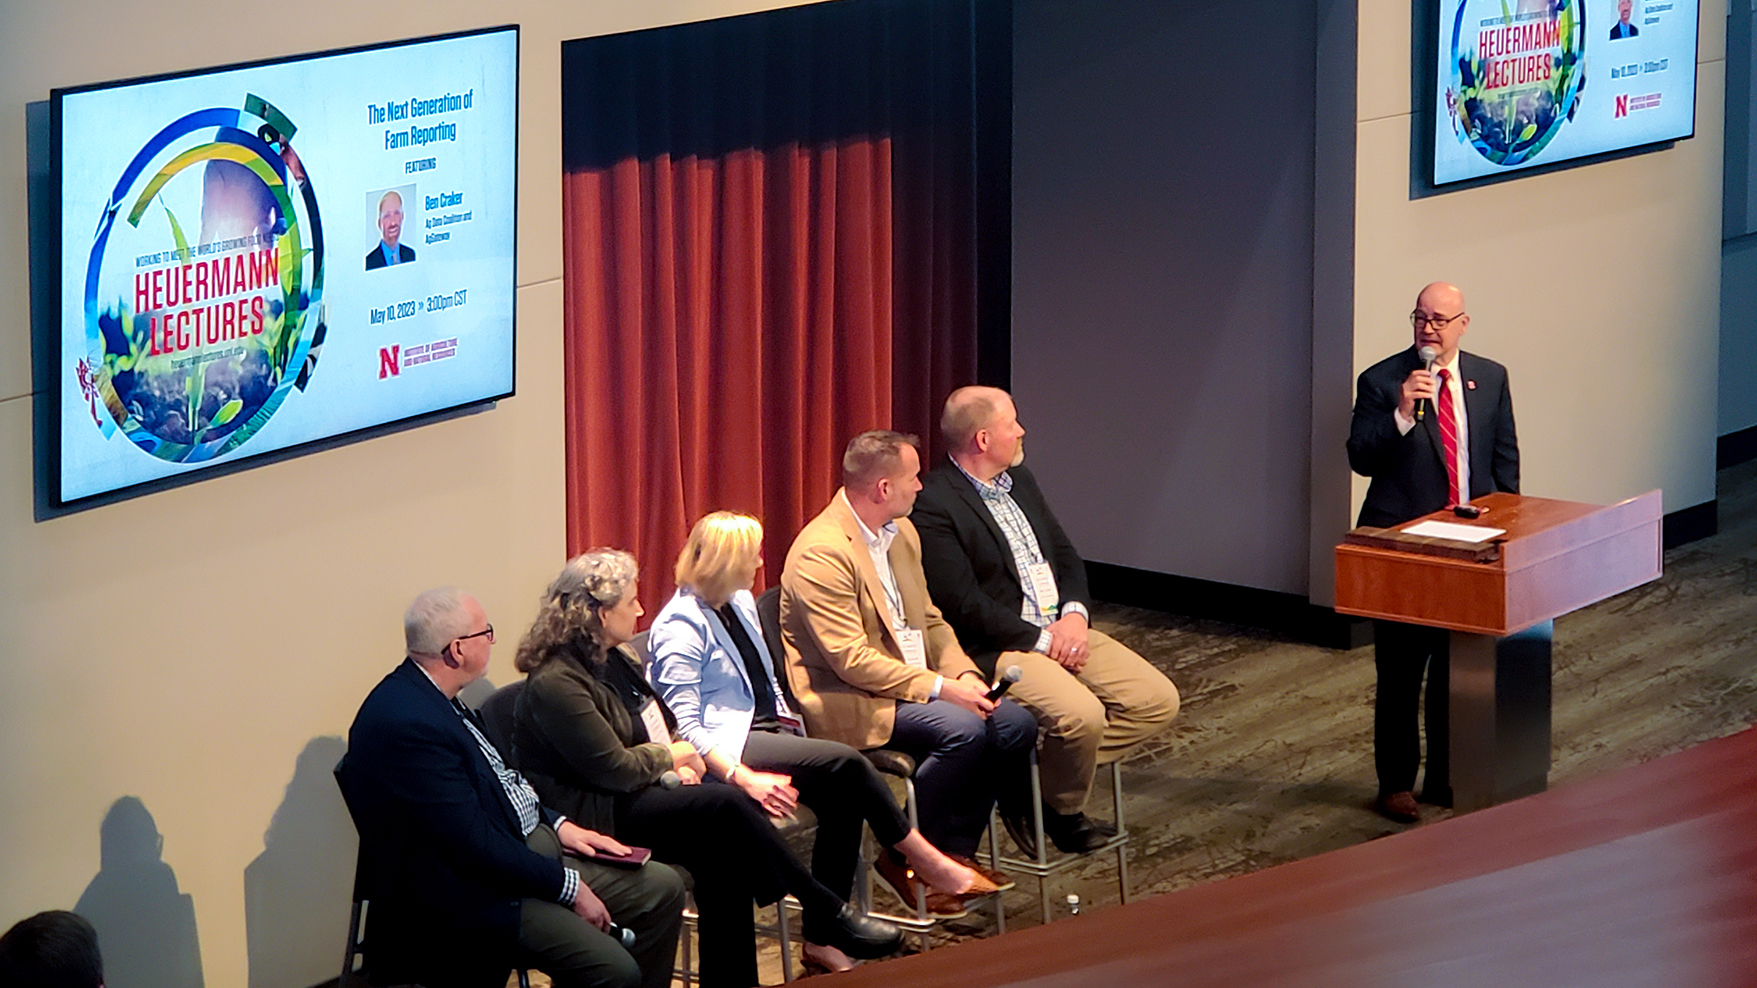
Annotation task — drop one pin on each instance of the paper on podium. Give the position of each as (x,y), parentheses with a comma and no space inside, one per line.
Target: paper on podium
(1453,531)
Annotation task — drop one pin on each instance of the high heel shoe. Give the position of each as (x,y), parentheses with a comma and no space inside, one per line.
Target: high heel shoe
(987,879)
(856,934)
(902,880)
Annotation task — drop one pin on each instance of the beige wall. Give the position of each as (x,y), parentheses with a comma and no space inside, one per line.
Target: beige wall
(1597,286)
(185,647)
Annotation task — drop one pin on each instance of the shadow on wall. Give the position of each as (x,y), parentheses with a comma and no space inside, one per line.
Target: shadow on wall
(298,891)
(146,926)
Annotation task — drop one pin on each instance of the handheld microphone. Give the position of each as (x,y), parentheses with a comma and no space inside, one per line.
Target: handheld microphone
(670,780)
(622,935)
(1428,355)
(1008,678)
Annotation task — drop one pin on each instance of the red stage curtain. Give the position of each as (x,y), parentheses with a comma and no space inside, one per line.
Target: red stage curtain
(737,309)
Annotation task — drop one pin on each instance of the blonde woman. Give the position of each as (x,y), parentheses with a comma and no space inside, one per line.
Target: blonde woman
(714,671)
(593,739)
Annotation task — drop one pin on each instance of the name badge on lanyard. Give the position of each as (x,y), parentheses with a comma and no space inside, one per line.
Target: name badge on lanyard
(654,719)
(1043,589)
(914,647)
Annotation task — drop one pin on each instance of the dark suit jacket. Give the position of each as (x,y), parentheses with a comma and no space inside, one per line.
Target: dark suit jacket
(970,570)
(375,259)
(446,863)
(578,739)
(1633,31)
(1409,471)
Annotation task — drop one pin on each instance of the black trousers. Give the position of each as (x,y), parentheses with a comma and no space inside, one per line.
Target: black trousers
(726,842)
(1402,653)
(964,763)
(842,789)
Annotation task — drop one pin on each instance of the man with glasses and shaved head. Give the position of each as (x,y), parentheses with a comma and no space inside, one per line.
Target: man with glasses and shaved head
(1432,427)
(466,871)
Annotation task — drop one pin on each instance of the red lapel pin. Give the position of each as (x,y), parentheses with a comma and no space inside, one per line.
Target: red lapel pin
(1470,385)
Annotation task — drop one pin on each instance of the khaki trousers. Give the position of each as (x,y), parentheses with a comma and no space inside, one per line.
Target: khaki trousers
(1092,717)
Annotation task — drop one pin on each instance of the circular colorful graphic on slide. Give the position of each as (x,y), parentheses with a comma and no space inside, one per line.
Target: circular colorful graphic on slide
(194,342)
(1517,71)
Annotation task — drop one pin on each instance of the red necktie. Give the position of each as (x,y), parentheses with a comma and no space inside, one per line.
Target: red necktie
(1449,437)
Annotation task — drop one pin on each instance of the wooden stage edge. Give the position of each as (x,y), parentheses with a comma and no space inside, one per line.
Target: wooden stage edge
(1647,876)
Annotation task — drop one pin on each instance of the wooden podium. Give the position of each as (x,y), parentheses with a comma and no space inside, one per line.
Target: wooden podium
(1499,600)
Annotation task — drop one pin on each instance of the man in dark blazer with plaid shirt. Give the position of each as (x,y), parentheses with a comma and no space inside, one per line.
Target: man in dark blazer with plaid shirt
(1013,587)
(464,870)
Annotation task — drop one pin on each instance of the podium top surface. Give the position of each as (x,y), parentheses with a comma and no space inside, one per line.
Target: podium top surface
(1554,557)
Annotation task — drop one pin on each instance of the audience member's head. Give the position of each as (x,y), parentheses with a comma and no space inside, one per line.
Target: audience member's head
(55,949)
(585,605)
(721,556)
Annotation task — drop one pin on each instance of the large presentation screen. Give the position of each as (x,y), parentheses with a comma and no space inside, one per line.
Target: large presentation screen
(260,257)
(1523,83)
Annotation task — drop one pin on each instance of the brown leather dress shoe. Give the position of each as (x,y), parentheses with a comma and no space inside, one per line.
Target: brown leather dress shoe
(901,878)
(1399,806)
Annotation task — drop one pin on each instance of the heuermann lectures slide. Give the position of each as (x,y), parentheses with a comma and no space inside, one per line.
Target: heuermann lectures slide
(283,253)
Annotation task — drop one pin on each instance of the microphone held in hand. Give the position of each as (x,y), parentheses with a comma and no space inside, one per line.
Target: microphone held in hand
(670,779)
(1428,355)
(1008,678)
(622,935)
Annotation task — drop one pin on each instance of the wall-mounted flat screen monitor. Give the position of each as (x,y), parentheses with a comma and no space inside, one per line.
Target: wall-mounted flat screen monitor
(263,257)
(1526,83)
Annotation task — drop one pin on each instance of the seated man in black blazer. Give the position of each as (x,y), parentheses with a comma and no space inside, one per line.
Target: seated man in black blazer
(1013,588)
(467,876)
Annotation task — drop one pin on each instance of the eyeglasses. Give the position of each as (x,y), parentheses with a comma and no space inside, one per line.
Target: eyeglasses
(1417,319)
(489,632)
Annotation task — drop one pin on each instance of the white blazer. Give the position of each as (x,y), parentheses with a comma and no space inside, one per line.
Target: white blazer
(698,670)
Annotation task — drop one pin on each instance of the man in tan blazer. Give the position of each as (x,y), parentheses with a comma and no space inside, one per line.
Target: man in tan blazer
(873,664)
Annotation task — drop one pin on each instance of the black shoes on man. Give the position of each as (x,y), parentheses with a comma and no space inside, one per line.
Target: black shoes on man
(1071,833)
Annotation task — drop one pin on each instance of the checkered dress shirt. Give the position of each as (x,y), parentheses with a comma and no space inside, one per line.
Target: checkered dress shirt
(997,497)
(523,797)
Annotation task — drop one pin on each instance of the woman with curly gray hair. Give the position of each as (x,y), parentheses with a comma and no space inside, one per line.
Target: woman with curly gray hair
(593,738)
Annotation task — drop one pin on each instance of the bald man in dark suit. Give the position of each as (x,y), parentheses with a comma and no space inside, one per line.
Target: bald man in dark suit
(1399,436)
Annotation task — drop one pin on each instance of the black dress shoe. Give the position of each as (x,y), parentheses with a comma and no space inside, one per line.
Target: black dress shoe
(1023,833)
(1074,833)
(856,934)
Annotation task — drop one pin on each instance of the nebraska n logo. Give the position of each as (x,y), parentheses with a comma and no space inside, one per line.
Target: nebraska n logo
(1622,108)
(388,363)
